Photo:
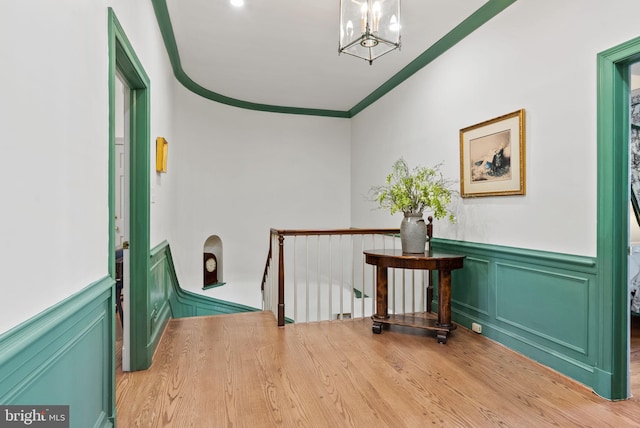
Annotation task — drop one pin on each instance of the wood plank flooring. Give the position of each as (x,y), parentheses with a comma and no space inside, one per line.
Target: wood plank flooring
(242,370)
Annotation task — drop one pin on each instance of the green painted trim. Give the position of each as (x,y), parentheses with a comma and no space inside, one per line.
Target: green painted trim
(73,336)
(613,215)
(602,383)
(490,9)
(580,371)
(159,320)
(123,58)
(184,303)
(164,22)
(462,30)
(214,285)
(531,256)
(506,290)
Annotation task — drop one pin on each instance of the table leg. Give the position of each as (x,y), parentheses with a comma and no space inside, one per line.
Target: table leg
(429,290)
(381,293)
(444,298)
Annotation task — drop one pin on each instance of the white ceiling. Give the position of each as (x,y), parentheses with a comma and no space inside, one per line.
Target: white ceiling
(285,52)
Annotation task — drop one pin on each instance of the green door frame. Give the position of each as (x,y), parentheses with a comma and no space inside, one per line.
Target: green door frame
(612,372)
(123,59)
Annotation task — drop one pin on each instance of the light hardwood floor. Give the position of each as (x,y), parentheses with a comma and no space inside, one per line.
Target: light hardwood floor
(242,370)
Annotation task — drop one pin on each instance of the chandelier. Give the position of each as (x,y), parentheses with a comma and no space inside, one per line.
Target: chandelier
(369,28)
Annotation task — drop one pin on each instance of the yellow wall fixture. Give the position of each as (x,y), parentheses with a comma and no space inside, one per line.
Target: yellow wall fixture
(162,148)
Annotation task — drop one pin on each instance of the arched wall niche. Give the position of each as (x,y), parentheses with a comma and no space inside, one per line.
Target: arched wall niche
(212,263)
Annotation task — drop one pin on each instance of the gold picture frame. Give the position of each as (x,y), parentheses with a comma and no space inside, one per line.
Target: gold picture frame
(492,157)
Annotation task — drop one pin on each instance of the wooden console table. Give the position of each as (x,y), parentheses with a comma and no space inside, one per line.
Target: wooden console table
(443,263)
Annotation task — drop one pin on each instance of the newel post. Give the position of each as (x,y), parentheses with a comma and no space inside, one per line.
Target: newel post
(281,280)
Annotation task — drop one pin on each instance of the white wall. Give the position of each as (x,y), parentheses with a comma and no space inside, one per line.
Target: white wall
(55,144)
(52,205)
(238,174)
(539,55)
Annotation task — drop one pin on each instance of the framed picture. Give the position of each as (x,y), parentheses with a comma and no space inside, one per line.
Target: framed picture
(492,157)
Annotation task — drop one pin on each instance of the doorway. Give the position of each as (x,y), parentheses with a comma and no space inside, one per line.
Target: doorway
(125,65)
(121,218)
(611,378)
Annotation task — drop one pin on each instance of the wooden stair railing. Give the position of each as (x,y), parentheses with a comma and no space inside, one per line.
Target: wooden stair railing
(282,233)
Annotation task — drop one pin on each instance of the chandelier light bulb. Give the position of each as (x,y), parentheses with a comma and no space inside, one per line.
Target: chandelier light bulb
(393,24)
(376,16)
(349,29)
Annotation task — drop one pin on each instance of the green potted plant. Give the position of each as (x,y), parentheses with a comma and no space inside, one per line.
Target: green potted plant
(412,191)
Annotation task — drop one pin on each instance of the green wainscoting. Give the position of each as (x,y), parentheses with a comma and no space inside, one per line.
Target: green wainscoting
(540,304)
(182,303)
(65,356)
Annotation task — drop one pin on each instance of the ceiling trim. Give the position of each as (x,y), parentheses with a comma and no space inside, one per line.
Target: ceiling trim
(166,29)
(462,30)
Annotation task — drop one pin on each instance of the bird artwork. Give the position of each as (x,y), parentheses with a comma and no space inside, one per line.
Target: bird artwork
(499,164)
(491,158)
